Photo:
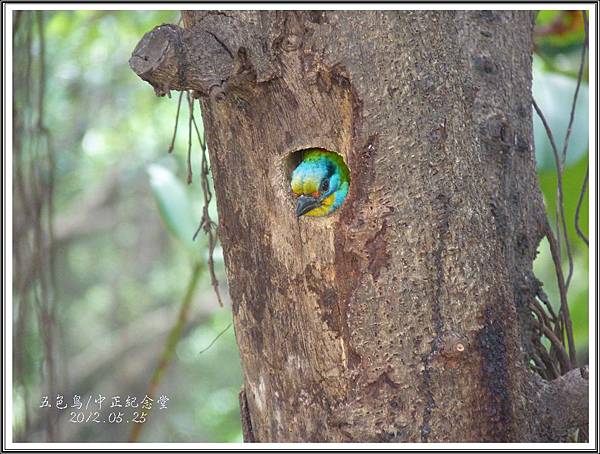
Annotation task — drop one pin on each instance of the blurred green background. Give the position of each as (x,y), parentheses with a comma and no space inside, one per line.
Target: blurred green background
(107,283)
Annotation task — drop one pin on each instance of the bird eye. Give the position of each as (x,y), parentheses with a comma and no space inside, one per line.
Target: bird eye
(325,185)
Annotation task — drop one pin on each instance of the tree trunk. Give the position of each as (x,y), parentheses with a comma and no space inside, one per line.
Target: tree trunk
(404,316)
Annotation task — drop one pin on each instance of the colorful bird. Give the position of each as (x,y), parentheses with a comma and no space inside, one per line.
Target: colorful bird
(321,181)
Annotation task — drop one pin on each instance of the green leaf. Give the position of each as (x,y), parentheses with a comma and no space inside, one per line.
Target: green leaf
(554,95)
(174,205)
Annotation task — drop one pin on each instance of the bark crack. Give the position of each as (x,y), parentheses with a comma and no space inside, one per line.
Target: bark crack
(438,322)
(217,39)
(245,416)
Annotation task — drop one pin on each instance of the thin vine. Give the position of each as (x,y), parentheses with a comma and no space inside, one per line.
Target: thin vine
(553,327)
(206,223)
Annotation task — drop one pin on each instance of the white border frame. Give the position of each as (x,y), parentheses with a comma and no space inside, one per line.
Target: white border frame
(7,111)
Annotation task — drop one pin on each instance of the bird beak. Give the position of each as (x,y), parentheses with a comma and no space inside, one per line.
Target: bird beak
(305,204)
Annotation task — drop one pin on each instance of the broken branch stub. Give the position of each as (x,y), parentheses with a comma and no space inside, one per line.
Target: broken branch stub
(564,403)
(172,58)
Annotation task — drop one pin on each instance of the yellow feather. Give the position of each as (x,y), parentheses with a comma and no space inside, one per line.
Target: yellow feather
(324,208)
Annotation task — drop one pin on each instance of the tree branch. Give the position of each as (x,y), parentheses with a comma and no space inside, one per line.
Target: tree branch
(565,401)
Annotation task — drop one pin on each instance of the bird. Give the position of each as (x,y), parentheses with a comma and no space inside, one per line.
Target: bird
(321,183)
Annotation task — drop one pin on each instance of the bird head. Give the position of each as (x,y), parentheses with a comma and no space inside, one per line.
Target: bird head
(320,182)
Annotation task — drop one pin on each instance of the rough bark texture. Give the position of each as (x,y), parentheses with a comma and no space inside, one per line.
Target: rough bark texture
(404,316)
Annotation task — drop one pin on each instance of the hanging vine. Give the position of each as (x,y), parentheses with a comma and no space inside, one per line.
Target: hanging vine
(33,227)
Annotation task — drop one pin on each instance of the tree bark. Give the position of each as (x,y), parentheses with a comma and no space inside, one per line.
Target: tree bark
(404,316)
